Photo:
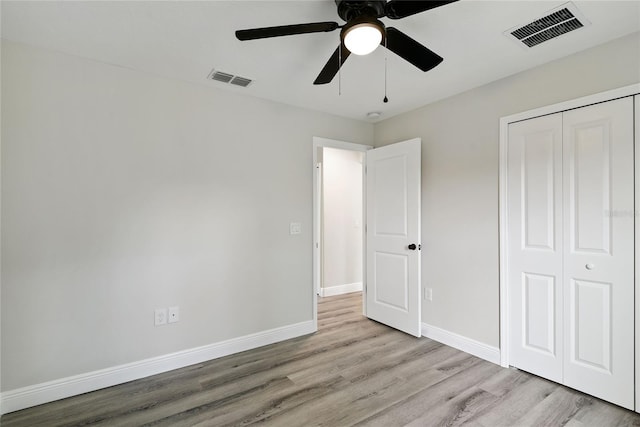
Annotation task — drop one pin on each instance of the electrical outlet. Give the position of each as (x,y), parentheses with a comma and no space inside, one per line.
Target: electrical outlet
(174,314)
(160,316)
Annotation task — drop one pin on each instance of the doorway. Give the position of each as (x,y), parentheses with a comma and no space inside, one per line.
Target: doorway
(338,222)
(341,225)
(390,237)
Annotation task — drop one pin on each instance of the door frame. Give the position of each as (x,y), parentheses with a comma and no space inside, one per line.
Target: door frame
(320,142)
(636,209)
(609,95)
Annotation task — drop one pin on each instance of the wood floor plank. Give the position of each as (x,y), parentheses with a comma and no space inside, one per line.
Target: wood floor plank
(458,410)
(353,371)
(596,412)
(336,362)
(105,403)
(504,382)
(558,408)
(422,403)
(251,406)
(515,404)
(372,391)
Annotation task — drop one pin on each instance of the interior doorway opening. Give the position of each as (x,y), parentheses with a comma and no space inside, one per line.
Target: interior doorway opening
(341,224)
(338,218)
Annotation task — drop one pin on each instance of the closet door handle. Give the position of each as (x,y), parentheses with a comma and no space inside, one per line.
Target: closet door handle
(413,247)
(590,266)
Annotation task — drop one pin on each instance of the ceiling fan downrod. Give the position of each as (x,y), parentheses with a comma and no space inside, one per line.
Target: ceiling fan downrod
(352,9)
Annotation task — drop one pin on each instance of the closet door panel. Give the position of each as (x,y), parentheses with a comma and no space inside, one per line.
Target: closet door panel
(599,250)
(535,245)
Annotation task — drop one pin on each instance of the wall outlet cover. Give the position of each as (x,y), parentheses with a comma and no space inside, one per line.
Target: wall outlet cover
(174,314)
(160,317)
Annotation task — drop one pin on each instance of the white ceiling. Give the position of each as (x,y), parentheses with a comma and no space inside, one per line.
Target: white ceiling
(186,40)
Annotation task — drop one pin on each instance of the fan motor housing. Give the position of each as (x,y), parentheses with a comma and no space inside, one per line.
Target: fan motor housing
(351,9)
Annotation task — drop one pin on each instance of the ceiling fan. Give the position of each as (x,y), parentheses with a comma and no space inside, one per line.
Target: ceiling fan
(362,33)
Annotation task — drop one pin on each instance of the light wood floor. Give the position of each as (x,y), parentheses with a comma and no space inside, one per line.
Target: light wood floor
(352,372)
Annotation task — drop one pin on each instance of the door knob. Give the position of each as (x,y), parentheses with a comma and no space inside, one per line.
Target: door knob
(413,247)
(589,266)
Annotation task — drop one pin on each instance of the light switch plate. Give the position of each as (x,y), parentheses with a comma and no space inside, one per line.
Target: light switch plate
(295,228)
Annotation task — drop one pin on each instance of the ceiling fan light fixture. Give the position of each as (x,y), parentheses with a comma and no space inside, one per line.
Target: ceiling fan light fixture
(362,38)
(362,33)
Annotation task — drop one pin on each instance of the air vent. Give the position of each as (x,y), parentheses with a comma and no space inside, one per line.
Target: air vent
(219,76)
(556,22)
(240,81)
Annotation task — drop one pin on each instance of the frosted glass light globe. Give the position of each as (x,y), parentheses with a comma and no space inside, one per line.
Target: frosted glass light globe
(362,39)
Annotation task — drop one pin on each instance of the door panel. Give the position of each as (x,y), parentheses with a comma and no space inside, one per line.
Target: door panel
(538,305)
(535,258)
(393,223)
(390,203)
(589,162)
(599,250)
(392,286)
(590,324)
(538,190)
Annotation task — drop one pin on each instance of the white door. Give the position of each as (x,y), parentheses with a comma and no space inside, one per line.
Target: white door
(570,202)
(393,236)
(599,250)
(535,245)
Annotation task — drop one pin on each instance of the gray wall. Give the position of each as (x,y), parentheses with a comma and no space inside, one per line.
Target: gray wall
(460,166)
(342,227)
(123,192)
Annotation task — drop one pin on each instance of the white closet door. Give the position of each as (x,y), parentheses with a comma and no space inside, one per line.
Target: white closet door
(599,250)
(535,245)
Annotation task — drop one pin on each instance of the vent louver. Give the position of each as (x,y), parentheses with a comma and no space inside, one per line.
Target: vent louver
(240,81)
(222,77)
(556,22)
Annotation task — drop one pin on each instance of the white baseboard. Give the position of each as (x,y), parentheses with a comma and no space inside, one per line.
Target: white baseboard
(14,400)
(476,348)
(340,289)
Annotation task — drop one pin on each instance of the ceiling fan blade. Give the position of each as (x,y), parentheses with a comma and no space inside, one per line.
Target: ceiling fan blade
(410,50)
(397,9)
(331,67)
(286,30)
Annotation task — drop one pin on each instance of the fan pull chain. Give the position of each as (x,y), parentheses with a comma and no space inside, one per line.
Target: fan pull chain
(385,99)
(340,69)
